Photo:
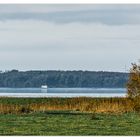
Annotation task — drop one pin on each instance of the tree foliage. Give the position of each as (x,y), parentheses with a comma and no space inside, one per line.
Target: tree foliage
(133,85)
(54,78)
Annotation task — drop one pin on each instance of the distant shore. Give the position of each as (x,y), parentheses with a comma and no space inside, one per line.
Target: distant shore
(63,79)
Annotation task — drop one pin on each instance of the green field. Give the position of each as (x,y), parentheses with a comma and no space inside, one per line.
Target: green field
(69,116)
(55,123)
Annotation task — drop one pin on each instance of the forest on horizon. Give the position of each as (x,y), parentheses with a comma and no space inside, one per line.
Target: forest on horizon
(63,79)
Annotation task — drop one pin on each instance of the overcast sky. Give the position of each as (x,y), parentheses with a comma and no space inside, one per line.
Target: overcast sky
(69,37)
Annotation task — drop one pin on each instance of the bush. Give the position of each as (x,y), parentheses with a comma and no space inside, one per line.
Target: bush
(25,110)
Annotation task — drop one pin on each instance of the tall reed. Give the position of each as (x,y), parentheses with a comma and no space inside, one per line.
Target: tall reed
(82,104)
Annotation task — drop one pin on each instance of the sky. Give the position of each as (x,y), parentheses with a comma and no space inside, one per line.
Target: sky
(90,37)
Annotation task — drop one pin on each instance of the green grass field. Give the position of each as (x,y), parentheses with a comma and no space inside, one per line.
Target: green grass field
(69,116)
(54,123)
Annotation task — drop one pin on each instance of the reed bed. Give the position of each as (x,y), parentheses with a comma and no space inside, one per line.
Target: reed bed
(88,105)
(82,104)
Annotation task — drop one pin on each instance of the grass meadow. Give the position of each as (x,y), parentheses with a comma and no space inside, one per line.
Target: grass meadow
(67,123)
(69,116)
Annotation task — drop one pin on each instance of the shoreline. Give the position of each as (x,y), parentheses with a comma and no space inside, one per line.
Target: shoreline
(63,95)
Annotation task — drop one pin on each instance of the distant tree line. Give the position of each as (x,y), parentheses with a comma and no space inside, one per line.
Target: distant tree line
(100,79)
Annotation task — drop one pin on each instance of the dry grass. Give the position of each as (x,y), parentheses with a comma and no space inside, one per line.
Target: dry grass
(96,105)
(87,105)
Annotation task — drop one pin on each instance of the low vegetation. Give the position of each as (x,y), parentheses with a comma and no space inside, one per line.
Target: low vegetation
(69,116)
(81,104)
(54,123)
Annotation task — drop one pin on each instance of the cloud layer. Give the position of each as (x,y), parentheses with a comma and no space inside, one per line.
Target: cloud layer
(104,14)
(69,37)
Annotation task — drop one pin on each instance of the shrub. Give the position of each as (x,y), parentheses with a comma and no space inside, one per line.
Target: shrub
(25,109)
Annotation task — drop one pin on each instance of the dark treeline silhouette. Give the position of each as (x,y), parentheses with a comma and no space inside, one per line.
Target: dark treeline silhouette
(100,79)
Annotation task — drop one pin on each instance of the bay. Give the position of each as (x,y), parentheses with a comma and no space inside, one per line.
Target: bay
(63,92)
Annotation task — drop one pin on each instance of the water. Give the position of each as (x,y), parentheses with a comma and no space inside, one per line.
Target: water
(63,92)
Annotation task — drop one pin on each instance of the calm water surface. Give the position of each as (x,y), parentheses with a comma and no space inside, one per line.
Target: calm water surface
(63,92)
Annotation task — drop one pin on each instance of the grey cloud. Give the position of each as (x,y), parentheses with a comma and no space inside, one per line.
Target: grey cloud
(120,15)
(32,38)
